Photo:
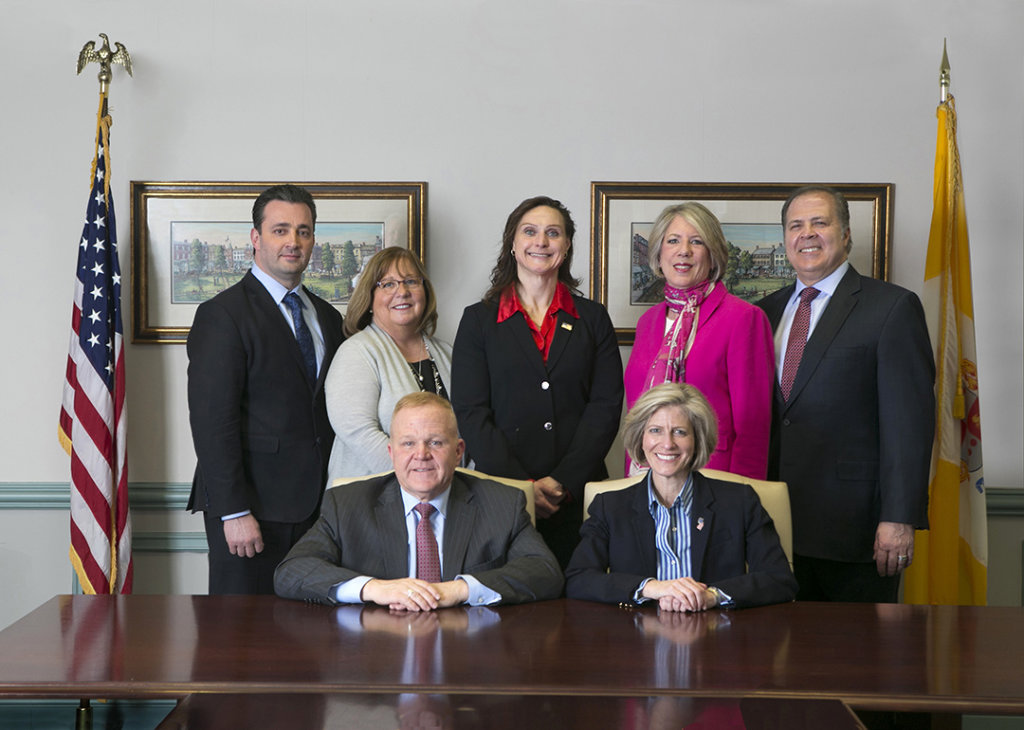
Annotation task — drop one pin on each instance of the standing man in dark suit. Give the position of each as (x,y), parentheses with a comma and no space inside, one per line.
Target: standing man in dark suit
(424,536)
(258,353)
(854,410)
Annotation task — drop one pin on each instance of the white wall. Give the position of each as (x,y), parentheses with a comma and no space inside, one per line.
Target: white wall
(490,103)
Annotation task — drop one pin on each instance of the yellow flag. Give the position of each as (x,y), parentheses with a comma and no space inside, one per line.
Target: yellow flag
(951,557)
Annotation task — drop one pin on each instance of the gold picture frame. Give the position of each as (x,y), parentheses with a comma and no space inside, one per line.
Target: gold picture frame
(191,240)
(621,280)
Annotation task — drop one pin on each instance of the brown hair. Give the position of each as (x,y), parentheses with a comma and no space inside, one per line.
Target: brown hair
(504,271)
(360,306)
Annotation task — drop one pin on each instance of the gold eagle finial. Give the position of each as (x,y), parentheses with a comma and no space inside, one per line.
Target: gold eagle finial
(104,57)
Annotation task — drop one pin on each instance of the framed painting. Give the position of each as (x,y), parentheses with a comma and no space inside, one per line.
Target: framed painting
(621,215)
(190,241)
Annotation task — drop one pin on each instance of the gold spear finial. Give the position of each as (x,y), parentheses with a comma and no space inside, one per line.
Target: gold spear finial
(944,75)
(104,57)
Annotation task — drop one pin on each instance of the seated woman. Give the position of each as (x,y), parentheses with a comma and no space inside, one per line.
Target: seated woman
(390,352)
(676,537)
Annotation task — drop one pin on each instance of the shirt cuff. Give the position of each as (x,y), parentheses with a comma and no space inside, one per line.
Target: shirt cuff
(724,599)
(638,594)
(225,518)
(479,594)
(351,590)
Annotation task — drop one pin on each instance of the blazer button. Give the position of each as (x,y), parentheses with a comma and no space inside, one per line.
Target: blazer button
(548,426)
(785,421)
(545,385)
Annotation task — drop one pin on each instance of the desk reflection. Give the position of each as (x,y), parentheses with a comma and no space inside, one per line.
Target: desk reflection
(482,712)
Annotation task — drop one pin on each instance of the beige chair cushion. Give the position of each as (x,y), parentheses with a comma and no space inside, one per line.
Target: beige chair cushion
(774,497)
(523,484)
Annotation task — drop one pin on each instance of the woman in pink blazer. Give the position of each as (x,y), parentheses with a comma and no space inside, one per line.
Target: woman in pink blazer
(702,335)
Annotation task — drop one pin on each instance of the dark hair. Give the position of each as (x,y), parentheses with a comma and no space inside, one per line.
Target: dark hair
(504,271)
(839,205)
(286,193)
(360,305)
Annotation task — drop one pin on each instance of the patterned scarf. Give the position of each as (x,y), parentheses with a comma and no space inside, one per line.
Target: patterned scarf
(669,365)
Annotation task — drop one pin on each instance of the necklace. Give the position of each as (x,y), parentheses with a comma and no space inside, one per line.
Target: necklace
(417,371)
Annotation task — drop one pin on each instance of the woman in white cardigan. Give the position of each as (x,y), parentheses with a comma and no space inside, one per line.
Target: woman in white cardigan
(390,352)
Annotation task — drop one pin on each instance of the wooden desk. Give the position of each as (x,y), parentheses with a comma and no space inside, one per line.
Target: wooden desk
(497,712)
(883,657)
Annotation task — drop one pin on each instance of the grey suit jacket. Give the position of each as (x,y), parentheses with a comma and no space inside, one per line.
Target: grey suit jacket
(853,442)
(361,531)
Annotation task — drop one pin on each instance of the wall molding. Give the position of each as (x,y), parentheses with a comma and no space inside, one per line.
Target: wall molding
(169,542)
(56,495)
(1000,501)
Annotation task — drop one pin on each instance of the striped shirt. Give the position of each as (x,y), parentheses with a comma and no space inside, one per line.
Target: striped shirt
(672,530)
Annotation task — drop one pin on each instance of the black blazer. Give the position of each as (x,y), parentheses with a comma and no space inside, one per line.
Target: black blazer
(854,440)
(362,531)
(527,419)
(617,551)
(260,428)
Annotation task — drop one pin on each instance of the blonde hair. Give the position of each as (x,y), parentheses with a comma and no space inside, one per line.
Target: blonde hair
(692,402)
(707,226)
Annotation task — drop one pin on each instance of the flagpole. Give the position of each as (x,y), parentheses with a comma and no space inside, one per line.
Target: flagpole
(944,75)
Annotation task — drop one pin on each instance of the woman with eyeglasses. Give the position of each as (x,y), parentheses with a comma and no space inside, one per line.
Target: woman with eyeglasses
(390,352)
(537,373)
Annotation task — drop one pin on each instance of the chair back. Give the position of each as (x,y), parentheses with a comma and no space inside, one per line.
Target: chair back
(524,485)
(774,498)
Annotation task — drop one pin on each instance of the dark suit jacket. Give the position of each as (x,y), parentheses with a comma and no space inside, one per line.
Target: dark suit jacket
(853,442)
(617,551)
(260,428)
(361,531)
(527,419)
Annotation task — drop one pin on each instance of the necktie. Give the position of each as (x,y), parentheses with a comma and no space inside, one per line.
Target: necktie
(302,334)
(428,565)
(797,340)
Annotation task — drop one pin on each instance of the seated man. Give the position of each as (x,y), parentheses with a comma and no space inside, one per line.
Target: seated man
(475,545)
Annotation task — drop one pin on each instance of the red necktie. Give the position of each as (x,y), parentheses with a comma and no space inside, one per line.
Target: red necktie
(797,340)
(428,565)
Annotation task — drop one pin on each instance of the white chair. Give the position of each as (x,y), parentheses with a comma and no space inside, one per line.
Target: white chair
(524,485)
(774,498)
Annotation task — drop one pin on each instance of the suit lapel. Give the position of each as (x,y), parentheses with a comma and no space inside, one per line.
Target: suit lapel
(517,325)
(702,517)
(836,311)
(330,345)
(275,321)
(565,329)
(710,305)
(458,526)
(643,529)
(390,516)
(775,305)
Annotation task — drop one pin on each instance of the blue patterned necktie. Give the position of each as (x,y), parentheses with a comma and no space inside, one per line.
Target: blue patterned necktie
(302,334)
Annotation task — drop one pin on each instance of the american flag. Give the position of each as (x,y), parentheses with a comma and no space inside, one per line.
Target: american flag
(92,415)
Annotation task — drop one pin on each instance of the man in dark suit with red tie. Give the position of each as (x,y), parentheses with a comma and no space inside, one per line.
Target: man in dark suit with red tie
(258,353)
(853,413)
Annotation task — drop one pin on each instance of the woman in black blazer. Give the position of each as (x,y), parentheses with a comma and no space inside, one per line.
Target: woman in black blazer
(536,373)
(677,537)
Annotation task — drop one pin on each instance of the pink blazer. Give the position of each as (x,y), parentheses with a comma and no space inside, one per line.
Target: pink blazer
(732,362)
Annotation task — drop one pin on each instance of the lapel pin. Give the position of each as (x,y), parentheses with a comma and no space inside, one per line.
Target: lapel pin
(566,326)
(700,523)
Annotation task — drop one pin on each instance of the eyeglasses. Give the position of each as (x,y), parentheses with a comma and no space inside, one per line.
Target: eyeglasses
(391,285)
